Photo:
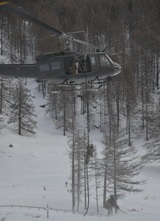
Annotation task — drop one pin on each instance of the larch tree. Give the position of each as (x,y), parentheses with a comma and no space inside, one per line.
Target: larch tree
(123,165)
(153,146)
(5,96)
(52,103)
(22,110)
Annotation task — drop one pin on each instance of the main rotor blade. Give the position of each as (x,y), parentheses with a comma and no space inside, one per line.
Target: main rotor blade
(54,31)
(84,43)
(25,15)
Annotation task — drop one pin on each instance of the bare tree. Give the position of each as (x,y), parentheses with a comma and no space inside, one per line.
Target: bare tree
(5,95)
(22,110)
(152,146)
(122,167)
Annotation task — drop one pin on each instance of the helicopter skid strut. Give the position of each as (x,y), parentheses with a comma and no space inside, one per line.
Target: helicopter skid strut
(66,82)
(99,81)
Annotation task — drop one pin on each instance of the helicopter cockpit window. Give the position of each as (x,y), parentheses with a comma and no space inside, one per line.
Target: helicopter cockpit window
(55,65)
(104,61)
(44,67)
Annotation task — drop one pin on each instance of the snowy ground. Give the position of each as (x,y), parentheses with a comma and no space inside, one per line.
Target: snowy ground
(33,174)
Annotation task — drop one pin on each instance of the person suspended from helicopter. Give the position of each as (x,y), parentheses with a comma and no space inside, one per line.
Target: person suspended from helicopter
(110,204)
(74,67)
(89,153)
(84,64)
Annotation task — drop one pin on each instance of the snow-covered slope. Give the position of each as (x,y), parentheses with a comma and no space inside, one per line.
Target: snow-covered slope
(33,173)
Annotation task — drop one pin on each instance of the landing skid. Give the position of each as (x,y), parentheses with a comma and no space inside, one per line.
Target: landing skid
(66,82)
(96,80)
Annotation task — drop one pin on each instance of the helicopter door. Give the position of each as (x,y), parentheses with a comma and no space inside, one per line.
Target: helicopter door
(68,62)
(94,63)
(44,67)
(57,66)
(105,64)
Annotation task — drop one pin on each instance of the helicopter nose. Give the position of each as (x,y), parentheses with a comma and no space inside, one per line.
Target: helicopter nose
(117,68)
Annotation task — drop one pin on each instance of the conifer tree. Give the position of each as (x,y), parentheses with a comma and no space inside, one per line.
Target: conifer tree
(152,146)
(22,110)
(122,165)
(5,95)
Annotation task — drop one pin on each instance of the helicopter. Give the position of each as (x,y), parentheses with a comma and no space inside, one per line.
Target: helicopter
(62,67)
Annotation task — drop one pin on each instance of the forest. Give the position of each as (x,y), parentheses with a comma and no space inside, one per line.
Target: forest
(122,110)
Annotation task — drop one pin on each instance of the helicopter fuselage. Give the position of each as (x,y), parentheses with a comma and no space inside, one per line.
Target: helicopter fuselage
(77,67)
(60,67)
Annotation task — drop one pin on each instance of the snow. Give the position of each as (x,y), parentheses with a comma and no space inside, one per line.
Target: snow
(33,174)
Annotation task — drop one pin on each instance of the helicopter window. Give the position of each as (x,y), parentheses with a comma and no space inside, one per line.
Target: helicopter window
(55,65)
(44,67)
(93,60)
(68,63)
(104,61)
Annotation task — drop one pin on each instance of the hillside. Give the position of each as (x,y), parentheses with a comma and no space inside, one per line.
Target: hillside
(34,171)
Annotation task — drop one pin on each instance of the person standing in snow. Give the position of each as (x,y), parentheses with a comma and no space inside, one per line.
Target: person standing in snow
(110,204)
(89,153)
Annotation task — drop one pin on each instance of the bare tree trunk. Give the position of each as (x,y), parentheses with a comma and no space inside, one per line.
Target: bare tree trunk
(20,111)
(44,88)
(64,118)
(1,96)
(105,186)
(142,98)
(146,117)
(2,33)
(157,70)
(85,179)
(96,183)
(128,120)
(115,176)
(78,177)
(73,168)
